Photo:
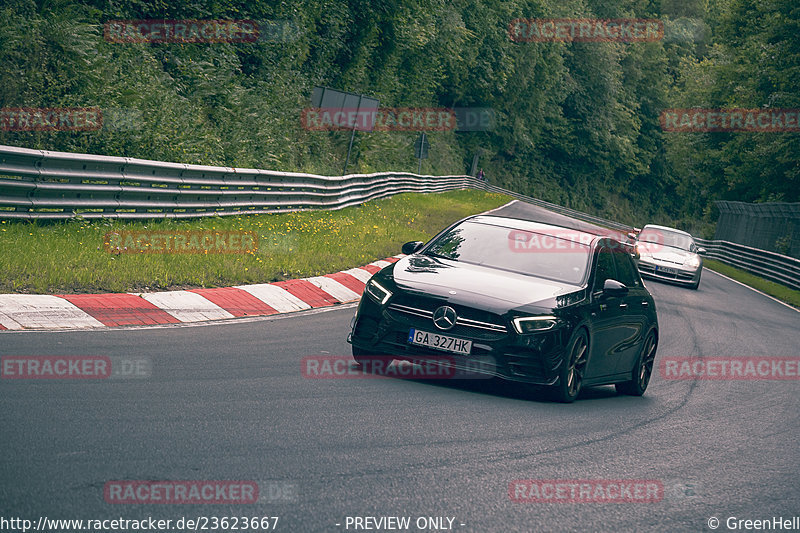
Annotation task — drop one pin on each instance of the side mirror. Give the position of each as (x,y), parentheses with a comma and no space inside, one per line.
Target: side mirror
(613,287)
(701,251)
(411,247)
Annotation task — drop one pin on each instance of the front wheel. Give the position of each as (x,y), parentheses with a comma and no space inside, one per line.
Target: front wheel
(642,370)
(573,368)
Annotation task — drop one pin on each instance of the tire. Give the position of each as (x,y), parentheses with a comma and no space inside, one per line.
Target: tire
(370,362)
(573,367)
(642,370)
(695,285)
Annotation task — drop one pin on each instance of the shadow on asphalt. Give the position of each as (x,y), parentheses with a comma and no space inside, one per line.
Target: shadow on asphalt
(505,389)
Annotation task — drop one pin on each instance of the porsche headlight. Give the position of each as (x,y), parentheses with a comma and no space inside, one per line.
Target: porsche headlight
(534,324)
(693,261)
(378,292)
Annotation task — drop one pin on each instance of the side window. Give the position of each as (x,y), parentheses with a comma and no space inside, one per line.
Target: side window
(626,270)
(605,268)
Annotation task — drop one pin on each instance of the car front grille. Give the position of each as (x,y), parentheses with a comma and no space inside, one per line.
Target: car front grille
(681,275)
(421,318)
(460,321)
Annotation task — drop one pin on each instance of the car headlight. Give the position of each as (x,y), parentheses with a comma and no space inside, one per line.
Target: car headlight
(534,324)
(378,292)
(693,261)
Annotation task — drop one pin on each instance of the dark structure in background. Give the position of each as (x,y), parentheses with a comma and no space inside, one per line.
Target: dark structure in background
(773,226)
(323,97)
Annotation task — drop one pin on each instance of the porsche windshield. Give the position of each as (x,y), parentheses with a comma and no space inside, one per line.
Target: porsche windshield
(666,238)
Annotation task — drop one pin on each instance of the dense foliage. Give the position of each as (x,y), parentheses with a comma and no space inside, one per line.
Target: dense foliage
(577,123)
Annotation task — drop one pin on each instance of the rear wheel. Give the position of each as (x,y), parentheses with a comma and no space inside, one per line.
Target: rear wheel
(642,370)
(573,368)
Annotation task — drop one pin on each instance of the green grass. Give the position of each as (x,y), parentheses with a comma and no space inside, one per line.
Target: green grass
(71,256)
(776,290)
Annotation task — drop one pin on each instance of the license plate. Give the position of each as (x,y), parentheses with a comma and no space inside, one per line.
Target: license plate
(666,270)
(439,342)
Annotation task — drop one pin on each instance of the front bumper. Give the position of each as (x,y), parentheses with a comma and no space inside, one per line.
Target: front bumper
(677,274)
(532,359)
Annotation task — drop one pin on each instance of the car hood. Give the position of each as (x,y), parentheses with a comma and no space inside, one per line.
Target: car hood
(669,255)
(491,288)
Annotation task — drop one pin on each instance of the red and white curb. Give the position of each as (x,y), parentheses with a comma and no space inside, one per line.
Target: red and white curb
(81,311)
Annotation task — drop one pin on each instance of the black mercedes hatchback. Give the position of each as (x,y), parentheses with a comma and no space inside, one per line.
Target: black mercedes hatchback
(517,300)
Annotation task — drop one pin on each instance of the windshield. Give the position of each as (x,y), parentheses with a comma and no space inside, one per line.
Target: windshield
(666,238)
(525,252)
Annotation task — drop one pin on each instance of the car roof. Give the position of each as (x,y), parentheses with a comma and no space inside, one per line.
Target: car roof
(562,232)
(667,228)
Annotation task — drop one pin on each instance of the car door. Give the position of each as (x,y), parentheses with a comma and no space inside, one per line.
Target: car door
(633,316)
(606,314)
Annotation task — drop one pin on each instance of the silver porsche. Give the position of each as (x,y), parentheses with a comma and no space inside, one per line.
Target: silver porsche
(669,254)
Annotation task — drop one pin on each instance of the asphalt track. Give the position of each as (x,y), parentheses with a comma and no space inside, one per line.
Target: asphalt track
(227,401)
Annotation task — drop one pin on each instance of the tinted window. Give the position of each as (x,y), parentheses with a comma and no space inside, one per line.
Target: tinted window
(525,252)
(605,268)
(626,270)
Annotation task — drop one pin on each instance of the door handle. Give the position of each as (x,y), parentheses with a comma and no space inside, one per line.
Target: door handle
(623,306)
(645,304)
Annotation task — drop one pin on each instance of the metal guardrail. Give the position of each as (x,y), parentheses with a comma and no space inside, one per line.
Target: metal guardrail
(768,265)
(39,184)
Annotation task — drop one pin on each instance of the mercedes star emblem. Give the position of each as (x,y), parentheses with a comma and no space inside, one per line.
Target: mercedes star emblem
(444,317)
